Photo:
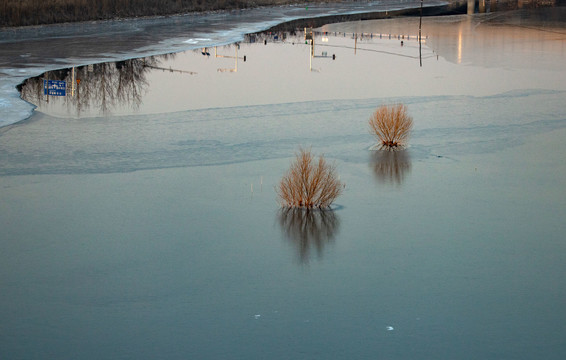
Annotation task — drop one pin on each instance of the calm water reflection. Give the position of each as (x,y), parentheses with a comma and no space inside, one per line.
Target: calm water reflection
(309,230)
(385,54)
(390,167)
(210,77)
(98,88)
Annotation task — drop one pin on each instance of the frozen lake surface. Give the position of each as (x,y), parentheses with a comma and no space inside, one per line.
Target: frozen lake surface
(149,228)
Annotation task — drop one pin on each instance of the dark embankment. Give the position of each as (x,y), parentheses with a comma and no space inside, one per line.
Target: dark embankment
(38,12)
(449,9)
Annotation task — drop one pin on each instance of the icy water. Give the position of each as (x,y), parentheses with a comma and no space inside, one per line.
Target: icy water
(149,228)
(29,51)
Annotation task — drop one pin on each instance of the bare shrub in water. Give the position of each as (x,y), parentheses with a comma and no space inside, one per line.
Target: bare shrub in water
(391,126)
(309,183)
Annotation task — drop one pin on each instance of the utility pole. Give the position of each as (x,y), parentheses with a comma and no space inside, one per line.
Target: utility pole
(420,36)
(73,81)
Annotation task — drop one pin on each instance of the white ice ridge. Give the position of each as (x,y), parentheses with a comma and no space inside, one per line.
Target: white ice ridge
(197,40)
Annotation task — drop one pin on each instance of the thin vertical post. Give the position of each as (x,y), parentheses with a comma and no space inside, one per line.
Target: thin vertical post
(420,35)
(73,81)
(310,59)
(312,42)
(311,54)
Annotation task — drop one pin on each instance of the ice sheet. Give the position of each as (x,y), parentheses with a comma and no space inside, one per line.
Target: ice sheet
(228,135)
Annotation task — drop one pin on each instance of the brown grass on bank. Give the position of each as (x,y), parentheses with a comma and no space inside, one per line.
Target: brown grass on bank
(391,125)
(35,12)
(309,183)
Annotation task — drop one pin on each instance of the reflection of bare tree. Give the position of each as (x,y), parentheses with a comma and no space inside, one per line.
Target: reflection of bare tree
(307,228)
(102,87)
(131,82)
(271,36)
(390,166)
(31,89)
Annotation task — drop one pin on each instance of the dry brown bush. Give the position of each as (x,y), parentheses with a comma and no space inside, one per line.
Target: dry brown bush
(309,183)
(391,125)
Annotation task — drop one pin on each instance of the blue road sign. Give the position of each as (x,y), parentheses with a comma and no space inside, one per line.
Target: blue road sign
(54,87)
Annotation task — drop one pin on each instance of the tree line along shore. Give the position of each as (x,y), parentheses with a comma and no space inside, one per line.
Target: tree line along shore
(39,12)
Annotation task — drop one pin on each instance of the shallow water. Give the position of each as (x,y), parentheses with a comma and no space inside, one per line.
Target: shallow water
(147,233)
(29,51)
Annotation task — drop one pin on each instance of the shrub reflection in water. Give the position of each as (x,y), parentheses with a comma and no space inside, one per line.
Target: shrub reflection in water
(390,167)
(308,229)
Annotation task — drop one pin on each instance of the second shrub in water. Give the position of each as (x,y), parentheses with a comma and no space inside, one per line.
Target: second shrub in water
(309,183)
(391,125)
